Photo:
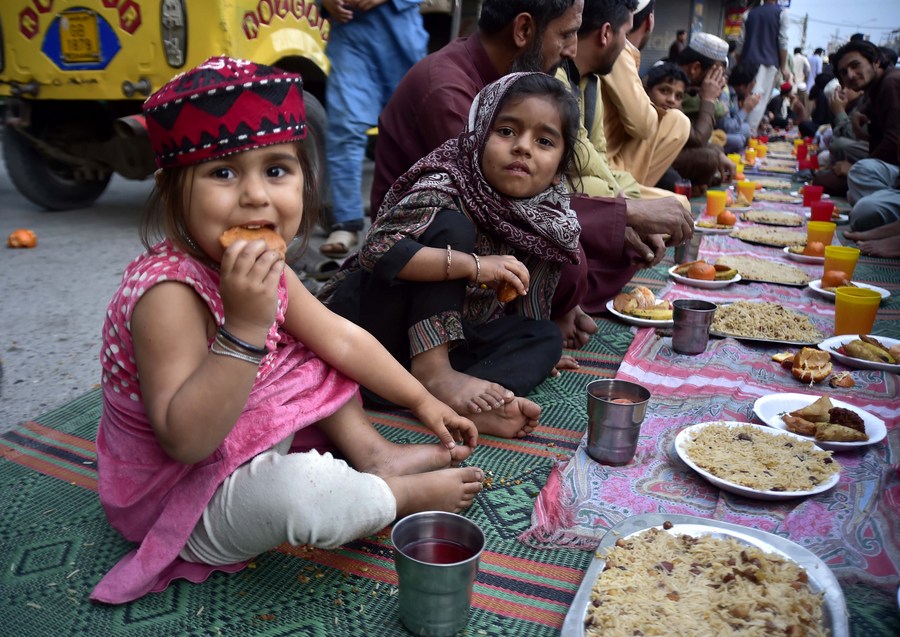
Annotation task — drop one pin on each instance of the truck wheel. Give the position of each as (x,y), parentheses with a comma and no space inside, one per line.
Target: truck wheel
(49,183)
(316,121)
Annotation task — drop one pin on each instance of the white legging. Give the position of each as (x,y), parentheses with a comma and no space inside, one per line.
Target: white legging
(300,498)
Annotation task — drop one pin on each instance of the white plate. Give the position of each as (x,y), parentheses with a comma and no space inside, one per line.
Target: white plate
(821,578)
(769,409)
(841,218)
(802,258)
(747,492)
(703,230)
(634,320)
(699,283)
(832,345)
(816,286)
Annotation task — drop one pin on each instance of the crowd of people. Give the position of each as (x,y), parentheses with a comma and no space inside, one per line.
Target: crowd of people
(522,176)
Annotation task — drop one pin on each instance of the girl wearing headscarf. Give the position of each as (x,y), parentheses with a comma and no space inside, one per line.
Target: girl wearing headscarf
(457,273)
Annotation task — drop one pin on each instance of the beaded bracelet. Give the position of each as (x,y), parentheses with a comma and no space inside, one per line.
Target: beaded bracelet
(253,349)
(223,348)
(449,261)
(483,286)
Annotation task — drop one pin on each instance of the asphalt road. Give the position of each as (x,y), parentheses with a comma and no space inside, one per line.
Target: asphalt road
(53,297)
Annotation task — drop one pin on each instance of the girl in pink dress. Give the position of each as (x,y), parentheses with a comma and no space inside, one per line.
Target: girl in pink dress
(225,381)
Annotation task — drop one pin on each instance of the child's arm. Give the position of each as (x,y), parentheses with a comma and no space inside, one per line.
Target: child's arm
(359,355)
(194,397)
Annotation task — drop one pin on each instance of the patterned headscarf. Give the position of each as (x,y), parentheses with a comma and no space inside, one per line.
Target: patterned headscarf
(543,225)
(221,107)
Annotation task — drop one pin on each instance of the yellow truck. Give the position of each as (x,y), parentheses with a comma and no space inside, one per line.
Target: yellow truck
(74,73)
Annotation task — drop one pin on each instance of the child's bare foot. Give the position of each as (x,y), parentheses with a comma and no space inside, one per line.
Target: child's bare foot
(565,362)
(447,490)
(576,328)
(888,248)
(388,459)
(466,395)
(515,419)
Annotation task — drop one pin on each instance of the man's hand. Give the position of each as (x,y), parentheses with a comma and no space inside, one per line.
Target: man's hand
(751,101)
(713,83)
(838,101)
(651,249)
(340,11)
(658,217)
(726,167)
(860,122)
(841,168)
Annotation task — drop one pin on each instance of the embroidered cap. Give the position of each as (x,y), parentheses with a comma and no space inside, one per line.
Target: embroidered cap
(221,107)
(711,46)
(786,86)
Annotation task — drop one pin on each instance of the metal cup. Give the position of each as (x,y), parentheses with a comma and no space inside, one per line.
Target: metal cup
(436,555)
(692,320)
(614,427)
(689,250)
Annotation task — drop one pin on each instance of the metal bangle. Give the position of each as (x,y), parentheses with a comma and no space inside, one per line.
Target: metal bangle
(449,261)
(477,268)
(253,349)
(217,348)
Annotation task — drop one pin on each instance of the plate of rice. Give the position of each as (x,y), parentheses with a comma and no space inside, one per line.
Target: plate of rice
(682,572)
(764,322)
(756,461)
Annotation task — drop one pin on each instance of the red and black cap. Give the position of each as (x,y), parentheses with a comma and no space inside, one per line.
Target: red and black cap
(221,107)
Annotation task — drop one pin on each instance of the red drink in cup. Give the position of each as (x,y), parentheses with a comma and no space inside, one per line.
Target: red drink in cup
(811,193)
(683,187)
(821,210)
(802,151)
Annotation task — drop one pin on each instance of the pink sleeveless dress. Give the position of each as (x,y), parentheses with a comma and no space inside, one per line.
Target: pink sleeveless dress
(155,501)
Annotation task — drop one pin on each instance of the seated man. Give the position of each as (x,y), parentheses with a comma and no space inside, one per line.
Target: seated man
(640,138)
(778,110)
(741,100)
(861,66)
(600,41)
(703,62)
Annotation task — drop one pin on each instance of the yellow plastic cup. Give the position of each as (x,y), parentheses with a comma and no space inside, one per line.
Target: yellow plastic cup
(752,142)
(798,141)
(761,150)
(750,156)
(841,258)
(821,231)
(734,157)
(715,202)
(855,310)
(747,188)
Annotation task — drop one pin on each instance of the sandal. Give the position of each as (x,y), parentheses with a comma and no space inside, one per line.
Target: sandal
(339,243)
(324,270)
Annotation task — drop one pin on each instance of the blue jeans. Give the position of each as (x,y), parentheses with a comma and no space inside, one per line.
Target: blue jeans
(369,56)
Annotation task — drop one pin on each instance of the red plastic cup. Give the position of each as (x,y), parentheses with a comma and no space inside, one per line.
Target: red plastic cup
(811,193)
(804,164)
(763,139)
(802,151)
(814,162)
(821,210)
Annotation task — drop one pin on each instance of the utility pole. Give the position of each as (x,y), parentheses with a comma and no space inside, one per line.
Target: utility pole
(803,31)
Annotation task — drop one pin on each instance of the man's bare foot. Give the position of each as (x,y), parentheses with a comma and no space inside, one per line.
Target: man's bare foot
(389,459)
(516,419)
(879,232)
(576,328)
(447,490)
(888,248)
(466,394)
(565,362)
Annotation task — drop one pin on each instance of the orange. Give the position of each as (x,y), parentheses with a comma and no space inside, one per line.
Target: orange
(727,218)
(21,238)
(815,249)
(834,279)
(702,270)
